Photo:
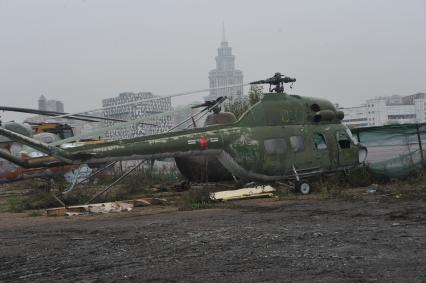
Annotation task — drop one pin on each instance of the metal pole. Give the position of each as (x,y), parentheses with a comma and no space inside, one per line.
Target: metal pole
(193,122)
(204,114)
(420,144)
(58,199)
(186,120)
(115,182)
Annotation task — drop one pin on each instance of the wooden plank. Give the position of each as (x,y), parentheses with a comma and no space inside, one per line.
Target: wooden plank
(259,191)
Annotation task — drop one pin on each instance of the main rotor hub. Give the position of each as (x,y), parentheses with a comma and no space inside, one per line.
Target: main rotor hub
(276,82)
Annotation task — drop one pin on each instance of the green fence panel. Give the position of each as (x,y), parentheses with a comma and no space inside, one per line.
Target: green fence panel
(395,151)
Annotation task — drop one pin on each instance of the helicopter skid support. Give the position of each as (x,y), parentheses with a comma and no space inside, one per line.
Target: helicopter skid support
(116,181)
(295,173)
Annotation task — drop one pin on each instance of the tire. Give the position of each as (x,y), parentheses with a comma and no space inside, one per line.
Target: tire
(304,187)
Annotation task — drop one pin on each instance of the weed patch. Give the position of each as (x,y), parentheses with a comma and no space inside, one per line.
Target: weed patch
(35,200)
(195,198)
(35,213)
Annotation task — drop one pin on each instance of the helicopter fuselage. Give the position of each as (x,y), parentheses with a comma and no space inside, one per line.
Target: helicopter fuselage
(280,137)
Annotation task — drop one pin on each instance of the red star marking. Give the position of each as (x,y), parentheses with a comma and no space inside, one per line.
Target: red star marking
(203,142)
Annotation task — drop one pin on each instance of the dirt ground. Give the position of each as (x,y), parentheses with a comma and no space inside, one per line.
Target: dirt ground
(263,240)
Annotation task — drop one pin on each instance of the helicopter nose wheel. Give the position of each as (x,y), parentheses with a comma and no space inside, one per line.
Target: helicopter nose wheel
(303,187)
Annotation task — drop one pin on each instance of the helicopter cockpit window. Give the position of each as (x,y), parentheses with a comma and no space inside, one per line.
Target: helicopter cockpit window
(354,140)
(343,140)
(275,146)
(319,141)
(297,143)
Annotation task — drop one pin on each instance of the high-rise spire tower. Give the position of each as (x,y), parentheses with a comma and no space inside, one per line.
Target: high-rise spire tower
(225,73)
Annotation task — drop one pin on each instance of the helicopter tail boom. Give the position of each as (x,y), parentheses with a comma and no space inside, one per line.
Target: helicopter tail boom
(58,153)
(159,146)
(35,162)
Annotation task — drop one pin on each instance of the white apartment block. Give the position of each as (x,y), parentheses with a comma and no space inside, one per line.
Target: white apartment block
(389,110)
(153,125)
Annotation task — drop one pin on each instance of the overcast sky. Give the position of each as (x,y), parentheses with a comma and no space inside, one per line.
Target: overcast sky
(82,51)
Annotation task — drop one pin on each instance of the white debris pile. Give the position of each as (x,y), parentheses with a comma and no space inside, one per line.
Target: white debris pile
(106,207)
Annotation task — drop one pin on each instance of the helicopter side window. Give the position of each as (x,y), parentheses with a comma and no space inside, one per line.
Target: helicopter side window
(275,146)
(297,143)
(343,140)
(349,133)
(319,141)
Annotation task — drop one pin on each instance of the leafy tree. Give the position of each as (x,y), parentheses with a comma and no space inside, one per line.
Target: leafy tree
(255,94)
(237,106)
(241,105)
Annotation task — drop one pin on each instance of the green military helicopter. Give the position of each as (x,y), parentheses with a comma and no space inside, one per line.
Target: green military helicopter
(283,137)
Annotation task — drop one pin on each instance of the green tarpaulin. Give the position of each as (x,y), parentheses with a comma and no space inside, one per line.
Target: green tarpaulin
(394,151)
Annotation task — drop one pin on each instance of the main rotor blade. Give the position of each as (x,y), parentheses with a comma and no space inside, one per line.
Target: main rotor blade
(98,132)
(101,131)
(154,98)
(87,118)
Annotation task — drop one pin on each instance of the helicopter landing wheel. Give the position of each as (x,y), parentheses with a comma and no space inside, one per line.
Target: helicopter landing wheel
(304,187)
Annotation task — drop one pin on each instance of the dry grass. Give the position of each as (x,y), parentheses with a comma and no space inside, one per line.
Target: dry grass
(34,195)
(412,188)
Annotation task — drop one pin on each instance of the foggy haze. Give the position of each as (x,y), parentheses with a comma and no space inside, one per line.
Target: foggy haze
(80,52)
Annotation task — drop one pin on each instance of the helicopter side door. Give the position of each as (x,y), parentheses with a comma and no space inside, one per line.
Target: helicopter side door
(321,152)
(275,157)
(301,157)
(347,152)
